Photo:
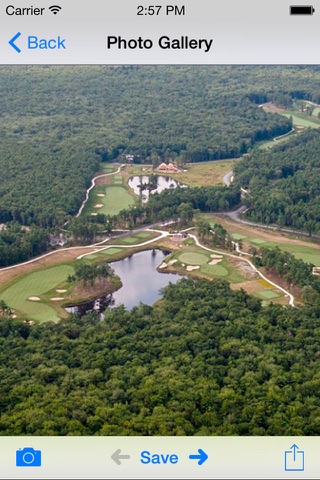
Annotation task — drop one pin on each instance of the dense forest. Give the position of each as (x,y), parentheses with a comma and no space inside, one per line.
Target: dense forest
(284,183)
(206,360)
(57,122)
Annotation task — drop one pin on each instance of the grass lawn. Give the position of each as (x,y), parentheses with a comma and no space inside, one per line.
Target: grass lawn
(301,119)
(144,235)
(115,199)
(198,257)
(107,168)
(237,236)
(193,258)
(257,241)
(268,294)
(108,251)
(130,240)
(36,284)
(205,174)
(307,254)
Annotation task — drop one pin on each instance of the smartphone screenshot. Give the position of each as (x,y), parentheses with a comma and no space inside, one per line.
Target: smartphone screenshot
(159,239)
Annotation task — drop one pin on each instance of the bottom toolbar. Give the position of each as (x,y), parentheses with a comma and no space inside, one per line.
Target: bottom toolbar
(160,457)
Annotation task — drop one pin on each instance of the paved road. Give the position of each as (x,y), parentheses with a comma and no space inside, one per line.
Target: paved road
(234,215)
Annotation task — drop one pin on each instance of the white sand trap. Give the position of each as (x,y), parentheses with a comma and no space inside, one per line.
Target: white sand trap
(13,316)
(215,261)
(56,299)
(192,267)
(94,214)
(171,262)
(100,195)
(163,265)
(216,256)
(34,299)
(60,291)
(98,205)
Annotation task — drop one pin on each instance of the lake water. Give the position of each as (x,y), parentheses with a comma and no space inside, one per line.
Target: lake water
(140,278)
(163,183)
(141,282)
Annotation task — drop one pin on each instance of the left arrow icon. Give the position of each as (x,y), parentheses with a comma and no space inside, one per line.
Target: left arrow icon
(13,45)
(117,457)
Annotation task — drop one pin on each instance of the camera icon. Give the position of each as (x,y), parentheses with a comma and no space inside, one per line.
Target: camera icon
(28,457)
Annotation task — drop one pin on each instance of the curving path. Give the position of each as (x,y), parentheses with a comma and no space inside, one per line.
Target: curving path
(93,184)
(96,248)
(287,294)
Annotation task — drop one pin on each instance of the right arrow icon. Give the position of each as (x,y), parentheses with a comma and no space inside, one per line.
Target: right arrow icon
(201,456)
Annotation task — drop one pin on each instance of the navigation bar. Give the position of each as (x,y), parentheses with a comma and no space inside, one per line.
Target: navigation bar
(125,32)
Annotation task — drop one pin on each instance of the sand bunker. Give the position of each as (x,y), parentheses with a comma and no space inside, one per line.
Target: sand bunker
(98,205)
(100,195)
(171,262)
(34,299)
(56,299)
(215,261)
(94,214)
(192,267)
(163,265)
(60,291)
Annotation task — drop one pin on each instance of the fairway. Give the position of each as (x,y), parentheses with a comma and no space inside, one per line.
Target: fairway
(307,254)
(143,235)
(36,284)
(297,120)
(193,258)
(116,198)
(268,294)
(109,251)
(218,270)
(237,236)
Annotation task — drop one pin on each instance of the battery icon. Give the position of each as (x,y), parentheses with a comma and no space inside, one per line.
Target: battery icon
(301,10)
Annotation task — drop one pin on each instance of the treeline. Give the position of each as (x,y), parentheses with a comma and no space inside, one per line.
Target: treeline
(284,184)
(205,361)
(18,244)
(294,270)
(177,204)
(56,122)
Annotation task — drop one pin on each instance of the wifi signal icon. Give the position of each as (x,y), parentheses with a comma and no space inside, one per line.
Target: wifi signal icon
(55,9)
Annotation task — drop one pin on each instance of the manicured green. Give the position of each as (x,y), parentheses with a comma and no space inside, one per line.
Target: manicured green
(143,235)
(109,251)
(218,270)
(268,294)
(116,199)
(193,258)
(258,241)
(307,254)
(238,236)
(130,240)
(34,285)
(303,120)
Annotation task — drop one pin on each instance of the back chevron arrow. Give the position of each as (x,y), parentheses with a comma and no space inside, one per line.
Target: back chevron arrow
(12,44)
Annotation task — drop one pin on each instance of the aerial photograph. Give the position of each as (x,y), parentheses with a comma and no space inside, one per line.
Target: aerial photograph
(160,250)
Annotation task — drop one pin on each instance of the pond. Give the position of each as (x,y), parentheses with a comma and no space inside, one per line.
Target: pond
(141,282)
(144,185)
